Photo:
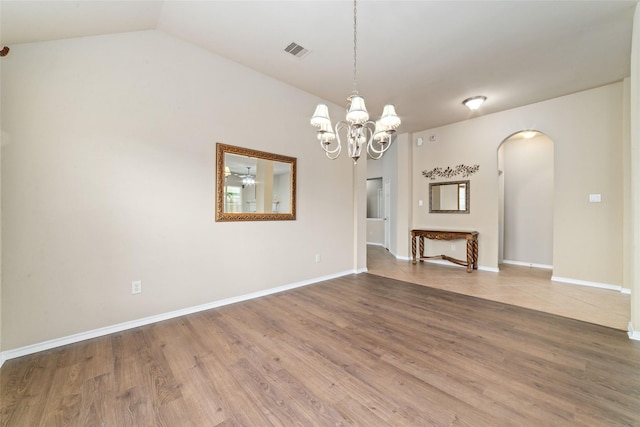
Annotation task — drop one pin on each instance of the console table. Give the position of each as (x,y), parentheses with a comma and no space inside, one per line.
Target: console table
(417,242)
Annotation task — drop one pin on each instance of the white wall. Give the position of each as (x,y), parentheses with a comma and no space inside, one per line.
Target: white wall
(586,129)
(108,159)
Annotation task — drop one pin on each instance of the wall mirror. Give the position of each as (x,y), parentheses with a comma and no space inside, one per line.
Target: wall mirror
(449,197)
(254,185)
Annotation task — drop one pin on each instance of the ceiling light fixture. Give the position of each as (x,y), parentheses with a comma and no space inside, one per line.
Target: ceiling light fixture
(474,102)
(359,129)
(248,179)
(528,134)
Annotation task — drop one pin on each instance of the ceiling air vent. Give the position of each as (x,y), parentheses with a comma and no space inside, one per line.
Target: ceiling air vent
(296,50)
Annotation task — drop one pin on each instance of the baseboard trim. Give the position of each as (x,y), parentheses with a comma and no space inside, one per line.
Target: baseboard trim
(82,336)
(587,283)
(633,335)
(528,264)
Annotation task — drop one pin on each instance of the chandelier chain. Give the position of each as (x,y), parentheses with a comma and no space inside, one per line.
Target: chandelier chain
(355,48)
(362,134)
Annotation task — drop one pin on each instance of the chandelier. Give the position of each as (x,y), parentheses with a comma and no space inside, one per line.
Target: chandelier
(357,127)
(248,179)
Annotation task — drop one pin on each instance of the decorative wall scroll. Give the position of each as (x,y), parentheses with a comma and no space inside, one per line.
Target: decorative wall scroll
(463,170)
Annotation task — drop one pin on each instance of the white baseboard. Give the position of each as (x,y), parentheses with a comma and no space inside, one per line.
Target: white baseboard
(375,244)
(70,339)
(591,284)
(528,264)
(633,335)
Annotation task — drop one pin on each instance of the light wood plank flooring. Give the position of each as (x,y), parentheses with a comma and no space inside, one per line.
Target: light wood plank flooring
(361,350)
(521,286)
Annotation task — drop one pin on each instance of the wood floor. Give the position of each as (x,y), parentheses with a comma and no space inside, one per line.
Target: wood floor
(521,286)
(359,350)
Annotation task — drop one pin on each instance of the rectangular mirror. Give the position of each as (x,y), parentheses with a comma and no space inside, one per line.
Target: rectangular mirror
(254,185)
(449,197)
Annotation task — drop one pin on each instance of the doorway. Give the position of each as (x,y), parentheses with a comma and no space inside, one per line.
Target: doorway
(526,180)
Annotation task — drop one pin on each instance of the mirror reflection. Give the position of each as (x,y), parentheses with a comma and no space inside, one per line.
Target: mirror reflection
(449,197)
(254,185)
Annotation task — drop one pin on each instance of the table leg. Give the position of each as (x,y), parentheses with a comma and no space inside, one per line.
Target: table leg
(469,255)
(421,244)
(413,248)
(475,254)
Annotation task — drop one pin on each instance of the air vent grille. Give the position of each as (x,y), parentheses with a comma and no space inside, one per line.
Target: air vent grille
(296,50)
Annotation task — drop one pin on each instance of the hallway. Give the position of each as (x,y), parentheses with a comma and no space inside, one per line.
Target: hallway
(520,286)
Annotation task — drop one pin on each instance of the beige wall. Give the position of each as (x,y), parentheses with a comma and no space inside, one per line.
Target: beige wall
(634,208)
(108,158)
(375,231)
(586,129)
(107,170)
(527,171)
(1,144)
(394,169)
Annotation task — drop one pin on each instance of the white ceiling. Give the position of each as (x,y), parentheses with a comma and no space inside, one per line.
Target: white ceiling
(423,56)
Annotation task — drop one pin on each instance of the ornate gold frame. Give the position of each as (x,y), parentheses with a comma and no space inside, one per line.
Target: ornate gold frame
(221,215)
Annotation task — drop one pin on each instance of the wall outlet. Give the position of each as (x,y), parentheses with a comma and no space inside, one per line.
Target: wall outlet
(453,248)
(136,287)
(317,258)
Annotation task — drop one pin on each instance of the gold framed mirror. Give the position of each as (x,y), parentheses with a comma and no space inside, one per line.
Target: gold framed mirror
(449,197)
(254,185)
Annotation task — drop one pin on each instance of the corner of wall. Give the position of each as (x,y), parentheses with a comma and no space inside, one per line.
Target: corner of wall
(633,335)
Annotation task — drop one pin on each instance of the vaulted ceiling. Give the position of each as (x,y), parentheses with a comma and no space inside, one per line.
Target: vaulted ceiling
(423,56)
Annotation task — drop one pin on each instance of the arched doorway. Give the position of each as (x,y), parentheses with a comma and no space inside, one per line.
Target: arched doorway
(526,179)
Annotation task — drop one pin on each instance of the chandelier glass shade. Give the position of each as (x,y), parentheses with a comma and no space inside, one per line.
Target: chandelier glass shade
(357,128)
(248,179)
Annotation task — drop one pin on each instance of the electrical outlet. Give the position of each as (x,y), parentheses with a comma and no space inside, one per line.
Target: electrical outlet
(453,248)
(317,258)
(136,287)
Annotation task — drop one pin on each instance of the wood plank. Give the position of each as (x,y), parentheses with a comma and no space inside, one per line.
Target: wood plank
(357,350)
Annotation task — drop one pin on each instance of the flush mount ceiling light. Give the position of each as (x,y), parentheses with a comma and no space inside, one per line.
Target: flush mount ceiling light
(474,102)
(359,129)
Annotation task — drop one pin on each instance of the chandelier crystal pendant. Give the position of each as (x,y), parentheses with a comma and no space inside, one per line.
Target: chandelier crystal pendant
(357,127)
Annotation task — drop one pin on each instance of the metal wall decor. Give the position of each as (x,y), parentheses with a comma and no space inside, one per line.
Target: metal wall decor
(463,170)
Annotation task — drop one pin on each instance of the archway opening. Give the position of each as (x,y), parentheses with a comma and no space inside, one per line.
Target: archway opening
(526,180)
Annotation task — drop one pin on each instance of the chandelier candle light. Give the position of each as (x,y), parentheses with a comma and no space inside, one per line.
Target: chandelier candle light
(359,129)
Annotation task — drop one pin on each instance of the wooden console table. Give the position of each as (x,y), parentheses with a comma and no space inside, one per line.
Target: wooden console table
(418,236)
